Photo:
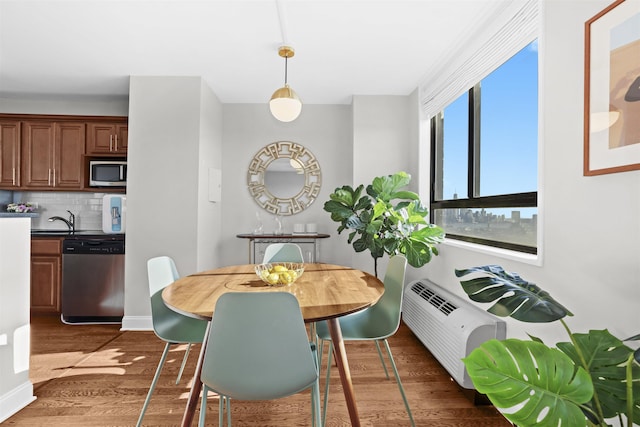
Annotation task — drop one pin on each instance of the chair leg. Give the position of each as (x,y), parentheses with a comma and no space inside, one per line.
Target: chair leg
(163,358)
(184,362)
(395,371)
(384,365)
(203,406)
(326,384)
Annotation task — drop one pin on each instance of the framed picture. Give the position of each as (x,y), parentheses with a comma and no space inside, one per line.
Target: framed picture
(612,89)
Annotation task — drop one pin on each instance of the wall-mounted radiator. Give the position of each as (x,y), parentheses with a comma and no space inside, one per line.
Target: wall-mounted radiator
(448,326)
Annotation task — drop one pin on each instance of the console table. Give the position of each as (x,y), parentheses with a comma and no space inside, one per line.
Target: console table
(307,242)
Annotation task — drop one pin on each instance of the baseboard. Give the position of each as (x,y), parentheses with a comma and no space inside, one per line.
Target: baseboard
(137,323)
(16,399)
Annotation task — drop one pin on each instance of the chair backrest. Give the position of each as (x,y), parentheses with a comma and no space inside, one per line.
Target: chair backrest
(167,324)
(258,347)
(385,314)
(283,252)
(162,271)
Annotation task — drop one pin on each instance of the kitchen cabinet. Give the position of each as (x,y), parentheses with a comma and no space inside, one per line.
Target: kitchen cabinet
(52,155)
(9,154)
(46,275)
(107,138)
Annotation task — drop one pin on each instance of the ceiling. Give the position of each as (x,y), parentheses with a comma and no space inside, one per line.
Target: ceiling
(88,48)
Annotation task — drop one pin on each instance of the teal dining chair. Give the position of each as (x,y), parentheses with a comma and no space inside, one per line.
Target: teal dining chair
(168,325)
(375,323)
(283,252)
(258,349)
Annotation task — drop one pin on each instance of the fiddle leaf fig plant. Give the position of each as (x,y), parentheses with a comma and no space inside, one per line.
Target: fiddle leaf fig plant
(583,382)
(386,220)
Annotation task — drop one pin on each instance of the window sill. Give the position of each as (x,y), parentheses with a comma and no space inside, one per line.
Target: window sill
(499,252)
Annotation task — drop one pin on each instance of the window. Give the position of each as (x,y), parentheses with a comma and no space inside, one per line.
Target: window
(484,148)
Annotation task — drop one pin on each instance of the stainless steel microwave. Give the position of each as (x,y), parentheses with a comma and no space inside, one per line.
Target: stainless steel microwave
(108,173)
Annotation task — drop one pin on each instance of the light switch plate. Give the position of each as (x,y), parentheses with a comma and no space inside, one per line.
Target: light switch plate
(215,184)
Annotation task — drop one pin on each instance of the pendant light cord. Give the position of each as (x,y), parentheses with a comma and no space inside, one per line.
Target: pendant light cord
(286,58)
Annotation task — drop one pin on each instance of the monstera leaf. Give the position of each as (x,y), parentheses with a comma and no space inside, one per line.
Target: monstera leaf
(584,382)
(604,357)
(515,296)
(530,383)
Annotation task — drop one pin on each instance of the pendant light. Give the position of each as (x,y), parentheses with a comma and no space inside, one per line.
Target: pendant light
(285,105)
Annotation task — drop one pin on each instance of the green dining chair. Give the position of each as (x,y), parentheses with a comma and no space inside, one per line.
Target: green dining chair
(168,325)
(258,350)
(375,323)
(282,252)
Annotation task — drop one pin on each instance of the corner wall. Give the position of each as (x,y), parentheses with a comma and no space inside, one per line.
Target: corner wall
(174,132)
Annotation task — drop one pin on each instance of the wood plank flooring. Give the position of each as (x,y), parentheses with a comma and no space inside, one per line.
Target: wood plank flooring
(97,375)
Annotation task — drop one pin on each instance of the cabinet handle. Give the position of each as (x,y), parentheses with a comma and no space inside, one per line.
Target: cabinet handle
(110,142)
(13,176)
(49,177)
(116,138)
(54,177)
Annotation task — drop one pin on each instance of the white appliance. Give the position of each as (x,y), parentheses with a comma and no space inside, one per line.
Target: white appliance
(448,326)
(114,213)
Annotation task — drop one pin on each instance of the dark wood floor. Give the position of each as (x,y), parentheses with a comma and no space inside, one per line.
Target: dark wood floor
(97,375)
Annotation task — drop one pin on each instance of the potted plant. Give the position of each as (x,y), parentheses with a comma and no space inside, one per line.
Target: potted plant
(386,219)
(583,382)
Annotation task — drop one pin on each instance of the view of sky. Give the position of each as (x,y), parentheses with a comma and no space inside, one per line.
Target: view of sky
(509,131)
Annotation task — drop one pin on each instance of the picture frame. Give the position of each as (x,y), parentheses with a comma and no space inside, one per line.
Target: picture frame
(612,90)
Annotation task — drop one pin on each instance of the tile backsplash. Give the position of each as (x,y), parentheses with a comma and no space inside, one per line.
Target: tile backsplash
(87,207)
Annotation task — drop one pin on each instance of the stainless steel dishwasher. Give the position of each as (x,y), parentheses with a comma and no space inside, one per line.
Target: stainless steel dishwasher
(92,280)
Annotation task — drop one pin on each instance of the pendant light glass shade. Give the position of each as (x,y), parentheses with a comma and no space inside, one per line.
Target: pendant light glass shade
(285,104)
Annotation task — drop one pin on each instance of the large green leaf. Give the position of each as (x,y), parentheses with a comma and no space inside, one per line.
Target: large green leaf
(604,357)
(384,186)
(530,383)
(514,296)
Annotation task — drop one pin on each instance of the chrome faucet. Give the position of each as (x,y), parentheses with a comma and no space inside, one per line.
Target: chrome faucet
(71,222)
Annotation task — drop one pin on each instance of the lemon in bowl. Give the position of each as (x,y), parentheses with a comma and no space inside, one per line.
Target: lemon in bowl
(279,273)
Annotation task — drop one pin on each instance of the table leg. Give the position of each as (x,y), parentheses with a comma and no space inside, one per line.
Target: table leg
(196,386)
(343,368)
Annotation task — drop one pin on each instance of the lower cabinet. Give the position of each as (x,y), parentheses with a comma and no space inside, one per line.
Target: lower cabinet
(46,275)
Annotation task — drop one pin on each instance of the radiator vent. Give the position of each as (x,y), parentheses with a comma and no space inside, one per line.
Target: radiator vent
(434,299)
(448,326)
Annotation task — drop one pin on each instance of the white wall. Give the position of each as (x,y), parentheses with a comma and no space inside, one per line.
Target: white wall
(324,129)
(174,128)
(116,106)
(589,257)
(16,391)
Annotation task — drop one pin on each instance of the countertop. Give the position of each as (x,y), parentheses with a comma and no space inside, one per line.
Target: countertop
(78,234)
(19,215)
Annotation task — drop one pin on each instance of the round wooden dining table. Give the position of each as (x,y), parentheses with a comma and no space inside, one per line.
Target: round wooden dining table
(324,292)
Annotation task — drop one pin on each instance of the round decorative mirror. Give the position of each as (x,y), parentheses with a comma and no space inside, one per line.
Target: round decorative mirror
(284,178)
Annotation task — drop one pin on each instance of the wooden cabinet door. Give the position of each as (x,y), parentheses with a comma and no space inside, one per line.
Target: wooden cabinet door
(9,154)
(46,275)
(45,284)
(69,151)
(122,140)
(107,138)
(52,155)
(38,152)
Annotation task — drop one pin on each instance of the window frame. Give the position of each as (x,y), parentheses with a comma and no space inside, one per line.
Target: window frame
(512,200)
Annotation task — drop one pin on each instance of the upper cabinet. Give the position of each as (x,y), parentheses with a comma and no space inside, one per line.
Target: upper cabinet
(9,154)
(107,138)
(52,155)
(51,152)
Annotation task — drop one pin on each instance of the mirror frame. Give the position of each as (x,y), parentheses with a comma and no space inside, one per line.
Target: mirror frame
(284,150)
